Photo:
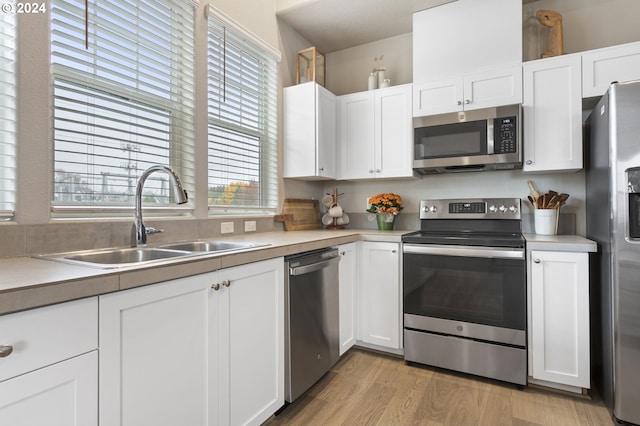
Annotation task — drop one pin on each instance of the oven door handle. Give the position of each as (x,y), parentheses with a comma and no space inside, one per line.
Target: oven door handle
(464,251)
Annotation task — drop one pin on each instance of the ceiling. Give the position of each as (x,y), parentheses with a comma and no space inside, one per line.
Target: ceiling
(333,25)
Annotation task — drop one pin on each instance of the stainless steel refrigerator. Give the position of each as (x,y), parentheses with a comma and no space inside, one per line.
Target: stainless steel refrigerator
(613,221)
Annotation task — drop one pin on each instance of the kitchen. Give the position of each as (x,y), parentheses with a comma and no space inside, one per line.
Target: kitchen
(347,70)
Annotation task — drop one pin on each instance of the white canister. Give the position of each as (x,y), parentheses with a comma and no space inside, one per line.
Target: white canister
(545,221)
(373,82)
(381,76)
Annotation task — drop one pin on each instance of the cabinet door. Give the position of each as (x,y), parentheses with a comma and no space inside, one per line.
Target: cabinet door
(559,325)
(552,114)
(158,354)
(356,124)
(437,97)
(348,279)
(379,294)
(63,394)
(601,67)
(491,88)
(326,133)
(251,342)
(309,123)
(394,132)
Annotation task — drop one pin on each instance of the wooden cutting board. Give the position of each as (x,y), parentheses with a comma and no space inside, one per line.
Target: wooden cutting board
(299,214)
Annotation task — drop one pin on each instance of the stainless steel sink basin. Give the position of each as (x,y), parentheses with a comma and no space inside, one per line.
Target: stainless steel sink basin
(118,258)
(124,257)
(211,246)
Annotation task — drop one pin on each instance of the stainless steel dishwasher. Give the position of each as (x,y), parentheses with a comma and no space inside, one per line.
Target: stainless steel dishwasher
(312,342)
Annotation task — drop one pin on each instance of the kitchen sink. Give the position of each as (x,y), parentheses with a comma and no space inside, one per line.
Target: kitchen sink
(211,246)
(117,258)
(124,257)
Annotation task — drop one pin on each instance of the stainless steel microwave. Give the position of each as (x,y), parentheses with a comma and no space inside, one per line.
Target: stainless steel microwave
(484,139)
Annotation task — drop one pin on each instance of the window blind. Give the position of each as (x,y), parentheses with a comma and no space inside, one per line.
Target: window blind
(123,100)
(242,114)
(7,115)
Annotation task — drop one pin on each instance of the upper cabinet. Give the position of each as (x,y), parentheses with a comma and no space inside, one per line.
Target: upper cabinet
(552,114)
(464,37)
(309,132)
(375,134)
(601,67)
(467,55)
(489,88)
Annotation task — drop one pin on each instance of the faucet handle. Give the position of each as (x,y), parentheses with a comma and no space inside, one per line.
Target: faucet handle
(150,231)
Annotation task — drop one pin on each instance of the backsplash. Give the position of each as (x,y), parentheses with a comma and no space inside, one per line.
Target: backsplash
(27,240)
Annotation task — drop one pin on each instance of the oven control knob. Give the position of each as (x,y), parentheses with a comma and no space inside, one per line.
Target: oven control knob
(493,208)
(433,209)
(513,209)
(502,208)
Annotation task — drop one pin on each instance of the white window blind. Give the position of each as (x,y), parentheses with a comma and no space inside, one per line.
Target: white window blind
(242,113)
(122,102)
(7,115)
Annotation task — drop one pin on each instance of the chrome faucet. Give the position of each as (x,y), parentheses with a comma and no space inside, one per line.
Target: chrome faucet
(139,232)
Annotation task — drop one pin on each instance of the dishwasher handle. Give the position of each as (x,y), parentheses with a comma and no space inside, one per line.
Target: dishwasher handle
(305,269)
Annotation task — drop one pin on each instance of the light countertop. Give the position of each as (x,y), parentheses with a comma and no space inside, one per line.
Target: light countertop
(573,243)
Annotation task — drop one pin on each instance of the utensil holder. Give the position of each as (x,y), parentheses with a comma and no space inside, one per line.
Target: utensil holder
(545,221)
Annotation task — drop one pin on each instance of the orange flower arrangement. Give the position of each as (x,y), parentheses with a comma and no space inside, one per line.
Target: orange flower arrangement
(388,203)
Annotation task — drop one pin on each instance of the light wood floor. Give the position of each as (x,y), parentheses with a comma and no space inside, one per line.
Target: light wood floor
(366,388)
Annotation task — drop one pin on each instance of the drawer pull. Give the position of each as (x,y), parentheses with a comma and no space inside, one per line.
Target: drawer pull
(5,351)
(536,260)
(216,286)
(226,283)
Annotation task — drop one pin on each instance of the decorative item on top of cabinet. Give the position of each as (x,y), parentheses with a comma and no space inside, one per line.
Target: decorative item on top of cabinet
(310,66)
(553,20)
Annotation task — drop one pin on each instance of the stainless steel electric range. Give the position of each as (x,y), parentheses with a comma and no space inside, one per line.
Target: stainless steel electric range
(464,288)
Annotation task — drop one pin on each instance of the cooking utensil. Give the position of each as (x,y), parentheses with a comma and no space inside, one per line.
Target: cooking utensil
(534,192)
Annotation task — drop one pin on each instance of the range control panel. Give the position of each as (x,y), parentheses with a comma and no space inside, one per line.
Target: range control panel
(489,208)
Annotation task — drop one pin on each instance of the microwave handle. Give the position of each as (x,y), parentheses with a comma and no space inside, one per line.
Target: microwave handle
(490,136)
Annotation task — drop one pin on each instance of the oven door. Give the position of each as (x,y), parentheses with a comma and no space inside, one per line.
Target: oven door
(484,287)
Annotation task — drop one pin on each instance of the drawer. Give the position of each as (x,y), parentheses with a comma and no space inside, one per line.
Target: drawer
(44,336)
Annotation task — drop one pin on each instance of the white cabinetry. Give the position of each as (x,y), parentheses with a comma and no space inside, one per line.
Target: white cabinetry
(309,132)
(348,279)
(483,89)
(200,350)
(601,67)
(466,36)
(379,294)
(51,376)
(559,319)
(552,113)
(376,134)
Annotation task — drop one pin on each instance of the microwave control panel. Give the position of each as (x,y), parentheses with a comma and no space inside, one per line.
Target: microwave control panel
(504,135)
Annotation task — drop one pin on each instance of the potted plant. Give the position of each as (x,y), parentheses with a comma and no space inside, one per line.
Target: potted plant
(386,207)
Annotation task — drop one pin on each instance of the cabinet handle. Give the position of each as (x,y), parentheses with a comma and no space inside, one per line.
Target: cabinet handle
(459,102)
(216,286)
(343,253)
(370,170)
(467,101)
(528,162)
(377,170)
(226,283)
(5,351)
(536,261)
(393,251)
(322,169)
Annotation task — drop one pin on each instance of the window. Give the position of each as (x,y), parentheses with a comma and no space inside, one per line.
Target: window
(242,133)
(123,100)
(7,115)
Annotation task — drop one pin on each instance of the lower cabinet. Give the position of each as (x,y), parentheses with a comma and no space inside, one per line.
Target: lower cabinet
(379,294)
(559,319)
(49,365)
(201,350)
(348,279)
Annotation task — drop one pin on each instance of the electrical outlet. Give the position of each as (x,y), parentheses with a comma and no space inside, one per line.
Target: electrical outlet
(226,228)
(250,226)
